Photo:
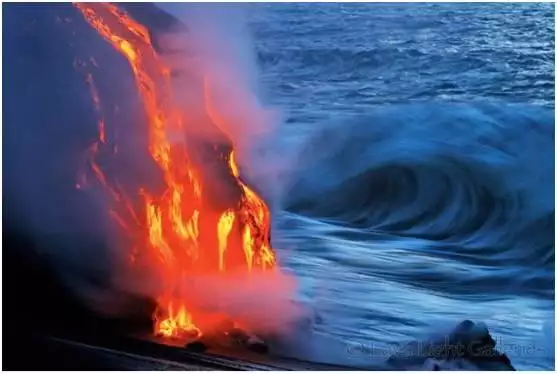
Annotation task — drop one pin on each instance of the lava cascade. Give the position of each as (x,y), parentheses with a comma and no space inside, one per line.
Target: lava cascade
(181,231)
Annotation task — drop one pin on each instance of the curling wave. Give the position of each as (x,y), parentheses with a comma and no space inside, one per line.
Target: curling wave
(474,179)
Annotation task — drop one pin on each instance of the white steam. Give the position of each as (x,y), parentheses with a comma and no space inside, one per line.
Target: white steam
(215,86)
(216,82)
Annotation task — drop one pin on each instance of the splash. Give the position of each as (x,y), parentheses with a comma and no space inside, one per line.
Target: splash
(186,230)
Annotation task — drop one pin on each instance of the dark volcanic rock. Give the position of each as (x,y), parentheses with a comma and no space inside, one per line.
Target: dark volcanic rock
(238,335)
(196,346)
(469,346)
(153,17)
(56,249)
(258,346)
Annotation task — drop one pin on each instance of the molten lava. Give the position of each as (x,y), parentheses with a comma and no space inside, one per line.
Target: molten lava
(182,229)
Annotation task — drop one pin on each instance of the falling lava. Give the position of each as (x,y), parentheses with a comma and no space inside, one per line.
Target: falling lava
(181,231)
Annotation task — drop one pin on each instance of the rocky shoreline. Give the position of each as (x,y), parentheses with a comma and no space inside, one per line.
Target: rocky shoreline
(469,346)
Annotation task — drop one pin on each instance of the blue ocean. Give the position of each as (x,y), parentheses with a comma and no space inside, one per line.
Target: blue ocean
(417,186)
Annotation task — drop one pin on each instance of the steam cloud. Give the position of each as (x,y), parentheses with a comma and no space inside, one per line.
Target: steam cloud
(216,87)
(217,67)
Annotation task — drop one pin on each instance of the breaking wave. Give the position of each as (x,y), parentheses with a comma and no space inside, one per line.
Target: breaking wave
(476,180)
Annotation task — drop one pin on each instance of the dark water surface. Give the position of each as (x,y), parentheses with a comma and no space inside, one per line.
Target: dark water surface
(417,182)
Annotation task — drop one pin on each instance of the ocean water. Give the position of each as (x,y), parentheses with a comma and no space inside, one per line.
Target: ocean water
(415,177)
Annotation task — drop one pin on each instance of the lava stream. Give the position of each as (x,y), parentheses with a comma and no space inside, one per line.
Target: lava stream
(182,230)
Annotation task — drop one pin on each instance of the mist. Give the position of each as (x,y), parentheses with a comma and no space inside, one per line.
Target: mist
(218,85)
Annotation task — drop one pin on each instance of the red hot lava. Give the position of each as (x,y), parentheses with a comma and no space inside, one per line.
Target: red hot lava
(182,232)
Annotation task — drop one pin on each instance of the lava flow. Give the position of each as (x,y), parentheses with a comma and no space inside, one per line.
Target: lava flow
(187,229)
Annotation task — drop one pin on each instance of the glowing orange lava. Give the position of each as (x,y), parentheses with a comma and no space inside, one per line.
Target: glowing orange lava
(181,227)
